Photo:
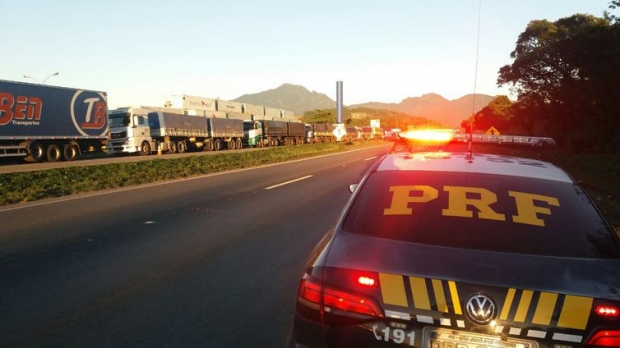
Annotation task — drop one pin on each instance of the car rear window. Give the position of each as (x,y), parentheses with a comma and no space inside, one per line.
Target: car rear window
(483,212)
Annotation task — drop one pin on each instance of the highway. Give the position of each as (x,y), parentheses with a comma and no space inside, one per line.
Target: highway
(212,261)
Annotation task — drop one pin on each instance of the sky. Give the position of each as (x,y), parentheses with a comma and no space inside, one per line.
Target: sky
(144,52)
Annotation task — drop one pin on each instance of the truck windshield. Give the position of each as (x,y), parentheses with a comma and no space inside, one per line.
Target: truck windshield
(119,119)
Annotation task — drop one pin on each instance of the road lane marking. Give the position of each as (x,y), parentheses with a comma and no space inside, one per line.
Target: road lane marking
(288,182)
(370,158)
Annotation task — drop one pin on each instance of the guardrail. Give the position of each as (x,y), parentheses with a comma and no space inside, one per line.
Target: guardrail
(505,139)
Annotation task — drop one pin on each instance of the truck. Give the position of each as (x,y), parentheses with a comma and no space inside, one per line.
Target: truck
(259,133)
(175,132)
(129,131)
(49,123)
(319,133)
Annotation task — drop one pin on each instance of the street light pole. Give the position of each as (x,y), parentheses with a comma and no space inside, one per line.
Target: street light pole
(54,74)
(39,82)
(30,77)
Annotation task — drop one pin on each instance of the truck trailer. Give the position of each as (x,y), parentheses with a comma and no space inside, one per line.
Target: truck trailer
(173,132)
(48,123)
(320,133)
(259,133)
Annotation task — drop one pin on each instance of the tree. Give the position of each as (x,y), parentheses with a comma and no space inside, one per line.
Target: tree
(497,114)
(562,73)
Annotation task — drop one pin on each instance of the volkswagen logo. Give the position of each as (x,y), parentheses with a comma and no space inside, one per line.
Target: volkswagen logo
(480,309)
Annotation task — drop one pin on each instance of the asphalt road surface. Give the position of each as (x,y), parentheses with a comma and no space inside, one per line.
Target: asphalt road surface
(212,261)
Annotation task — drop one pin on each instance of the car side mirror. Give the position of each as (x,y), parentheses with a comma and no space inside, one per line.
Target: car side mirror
(353,187)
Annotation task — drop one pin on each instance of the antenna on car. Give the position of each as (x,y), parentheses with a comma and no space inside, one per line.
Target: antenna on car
(473,107)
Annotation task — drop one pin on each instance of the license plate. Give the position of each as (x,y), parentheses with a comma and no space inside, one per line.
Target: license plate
(458,339)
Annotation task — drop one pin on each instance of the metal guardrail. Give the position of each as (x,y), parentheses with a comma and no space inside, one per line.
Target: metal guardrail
(505,139)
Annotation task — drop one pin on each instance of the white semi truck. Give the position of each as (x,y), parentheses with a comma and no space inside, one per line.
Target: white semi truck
(146,130)
(130,132)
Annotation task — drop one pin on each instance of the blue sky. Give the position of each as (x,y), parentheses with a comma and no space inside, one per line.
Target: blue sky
(141,52)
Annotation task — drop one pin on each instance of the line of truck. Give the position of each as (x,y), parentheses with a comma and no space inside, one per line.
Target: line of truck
(49,123)
(146,130)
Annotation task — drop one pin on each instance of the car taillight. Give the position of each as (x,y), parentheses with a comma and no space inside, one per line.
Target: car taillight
(335,300)
(605,338)
(310,291)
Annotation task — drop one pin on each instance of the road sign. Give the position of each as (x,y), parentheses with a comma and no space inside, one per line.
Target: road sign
(339,131)
(492,131)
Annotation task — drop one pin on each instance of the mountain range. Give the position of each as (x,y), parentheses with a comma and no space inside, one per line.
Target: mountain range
(430,106)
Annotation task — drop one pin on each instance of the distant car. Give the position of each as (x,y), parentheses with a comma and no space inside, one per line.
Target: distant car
(461,250)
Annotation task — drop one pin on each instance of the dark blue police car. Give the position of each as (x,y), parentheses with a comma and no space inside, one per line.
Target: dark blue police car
(460,250)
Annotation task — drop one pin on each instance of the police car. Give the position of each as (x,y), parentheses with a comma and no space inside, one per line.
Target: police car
(463,250)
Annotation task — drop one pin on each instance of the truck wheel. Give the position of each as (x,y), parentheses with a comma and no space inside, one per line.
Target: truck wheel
(210,146)
(53,153)
(145,149)
(70,152)
(218,145)
(230,145)
(36,152)
(172,147)
(239,143)
(261,142)
(181,147)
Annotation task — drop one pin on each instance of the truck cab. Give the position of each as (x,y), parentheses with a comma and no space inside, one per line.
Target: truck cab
(253,133)
(129,131)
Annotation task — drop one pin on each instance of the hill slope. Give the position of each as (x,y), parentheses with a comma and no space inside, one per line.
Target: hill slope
(435,107)
(289,97)
(431,106)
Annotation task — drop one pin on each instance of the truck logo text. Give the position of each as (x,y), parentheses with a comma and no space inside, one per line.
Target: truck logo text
(97,109)
(89,112)
(19,109)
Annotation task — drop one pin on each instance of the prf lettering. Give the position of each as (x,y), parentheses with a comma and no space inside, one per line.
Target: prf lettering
(19,108)
(465,201)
